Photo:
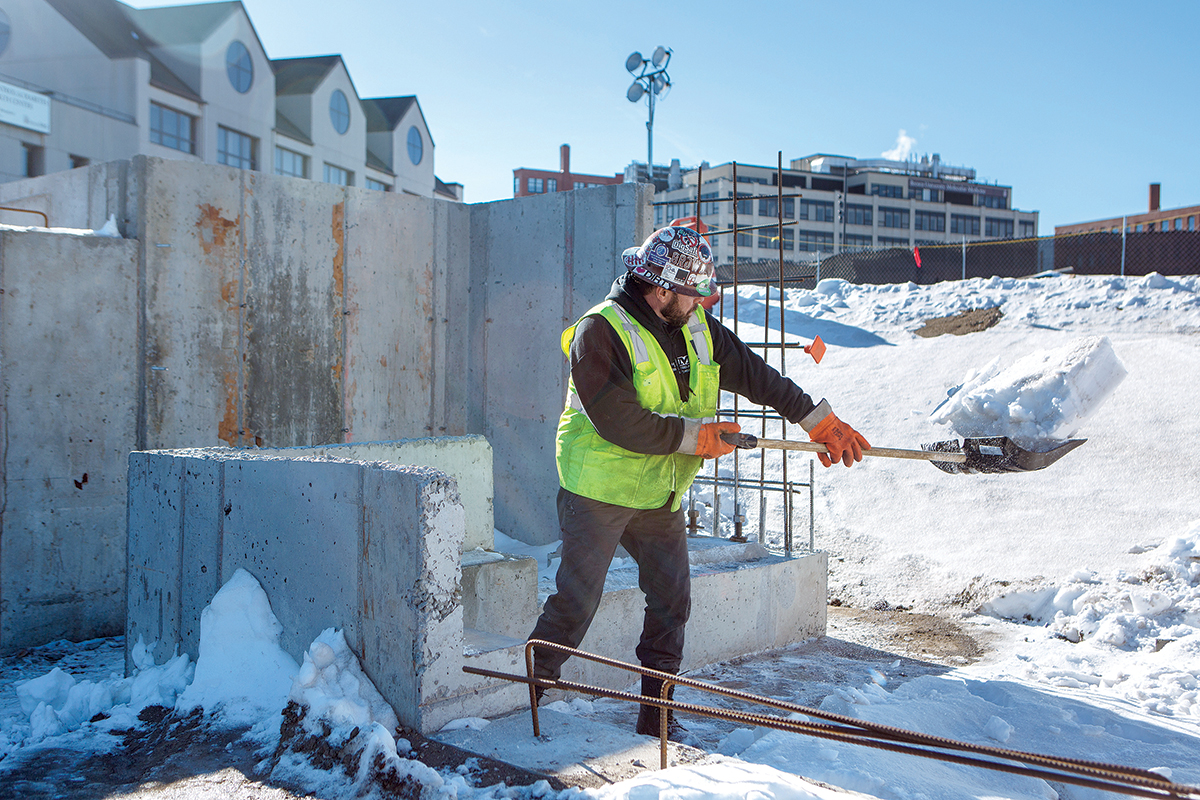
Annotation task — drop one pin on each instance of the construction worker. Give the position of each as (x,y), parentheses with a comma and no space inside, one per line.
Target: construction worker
(647,368)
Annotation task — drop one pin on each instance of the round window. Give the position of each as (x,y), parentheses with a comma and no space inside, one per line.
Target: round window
(416,147)
(339,111)
(239,66)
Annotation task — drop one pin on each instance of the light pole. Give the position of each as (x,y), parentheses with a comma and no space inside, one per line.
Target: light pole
(650,78)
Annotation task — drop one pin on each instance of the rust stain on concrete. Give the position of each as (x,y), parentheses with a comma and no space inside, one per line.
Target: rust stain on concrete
(339,238)
(227,430)
(214,229)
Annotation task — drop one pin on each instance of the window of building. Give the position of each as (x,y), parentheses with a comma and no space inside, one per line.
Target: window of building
(817,210)
(812,241)
(290,163)
(887,190)
(378,186)
(995,228)
(745,207)
(338,176)
(172,128)
(1166,224)
(749,179)
(416,146)
(929,221)
(1029,229)
(339,111)
(235,149)
(855,242)
(789,208)
(239,67)
(534,185)
(516,185)
(79,161)
(893,217)
(33,160)
(1191,223)
(709,209)
(858,215)
(769,237)
(964,224)
(1179,223)
(551,184)
(892,241)
(1138,229)
(992,201)
(768,207)
(745,240)
(926,195)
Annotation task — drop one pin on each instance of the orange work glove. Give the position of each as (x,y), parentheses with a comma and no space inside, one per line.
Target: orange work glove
(710,444)
(845,444)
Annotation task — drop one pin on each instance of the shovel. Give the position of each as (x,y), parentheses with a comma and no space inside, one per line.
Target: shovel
(989,454)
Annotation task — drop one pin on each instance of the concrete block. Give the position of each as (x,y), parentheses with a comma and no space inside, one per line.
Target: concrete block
(499,593)
(467,459)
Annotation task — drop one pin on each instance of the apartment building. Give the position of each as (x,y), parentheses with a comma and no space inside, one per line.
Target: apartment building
(85,81)
(834,204)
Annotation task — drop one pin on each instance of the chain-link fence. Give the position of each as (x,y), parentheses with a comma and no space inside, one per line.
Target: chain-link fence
(1165,252)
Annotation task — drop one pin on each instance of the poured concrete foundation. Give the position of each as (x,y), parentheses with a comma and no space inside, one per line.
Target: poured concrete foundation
(378,548)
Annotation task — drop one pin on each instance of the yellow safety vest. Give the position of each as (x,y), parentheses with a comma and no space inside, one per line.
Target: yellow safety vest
(591,466)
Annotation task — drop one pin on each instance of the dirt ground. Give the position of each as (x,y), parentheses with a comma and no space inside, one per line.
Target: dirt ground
(186,758)
(979,319)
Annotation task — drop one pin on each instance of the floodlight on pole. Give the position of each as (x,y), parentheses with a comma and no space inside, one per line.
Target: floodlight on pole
(650,79)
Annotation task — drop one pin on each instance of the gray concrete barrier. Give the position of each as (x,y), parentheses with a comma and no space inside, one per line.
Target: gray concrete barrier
(368,547)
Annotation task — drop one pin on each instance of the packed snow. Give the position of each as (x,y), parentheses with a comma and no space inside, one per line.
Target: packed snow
(1084,578)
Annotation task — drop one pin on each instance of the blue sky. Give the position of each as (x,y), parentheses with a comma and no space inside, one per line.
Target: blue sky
(1076,105)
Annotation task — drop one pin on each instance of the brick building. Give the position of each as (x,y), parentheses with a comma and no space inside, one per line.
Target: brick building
(540,181)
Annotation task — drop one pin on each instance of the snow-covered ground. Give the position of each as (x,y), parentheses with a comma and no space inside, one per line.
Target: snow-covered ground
(1087,573)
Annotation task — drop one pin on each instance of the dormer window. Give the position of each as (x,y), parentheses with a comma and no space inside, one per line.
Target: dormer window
(239,67)
(416,146)
(339,111)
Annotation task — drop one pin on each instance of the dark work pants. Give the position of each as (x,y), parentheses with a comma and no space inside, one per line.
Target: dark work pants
(591,531)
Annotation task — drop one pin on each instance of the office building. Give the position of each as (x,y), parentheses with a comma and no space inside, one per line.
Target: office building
(836,204)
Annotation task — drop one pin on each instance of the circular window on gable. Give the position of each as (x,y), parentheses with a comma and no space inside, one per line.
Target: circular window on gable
(416,146)
(239,66)
(339,111)
(5,31)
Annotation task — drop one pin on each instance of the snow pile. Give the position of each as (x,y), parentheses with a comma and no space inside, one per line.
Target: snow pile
(57,702)
(337,734)
(241,671)
(1043,396)
(1138,632)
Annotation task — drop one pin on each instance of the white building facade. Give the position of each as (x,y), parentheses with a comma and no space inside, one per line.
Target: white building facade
(834,204)
(89,81)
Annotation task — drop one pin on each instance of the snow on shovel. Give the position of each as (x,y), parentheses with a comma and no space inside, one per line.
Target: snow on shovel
(988,455)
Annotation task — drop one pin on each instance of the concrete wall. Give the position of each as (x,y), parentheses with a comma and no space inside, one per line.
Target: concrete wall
(275,312)
(68,345)
(370,548)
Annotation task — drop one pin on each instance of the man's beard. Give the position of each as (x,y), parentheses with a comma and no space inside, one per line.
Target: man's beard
(677,312)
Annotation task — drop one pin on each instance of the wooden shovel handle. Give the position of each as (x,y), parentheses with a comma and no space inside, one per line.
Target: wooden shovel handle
(750,442)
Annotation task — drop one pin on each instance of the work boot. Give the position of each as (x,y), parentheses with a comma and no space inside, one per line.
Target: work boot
(648,716)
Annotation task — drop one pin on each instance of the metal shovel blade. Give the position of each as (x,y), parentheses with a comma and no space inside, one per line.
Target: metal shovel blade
(997,454)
